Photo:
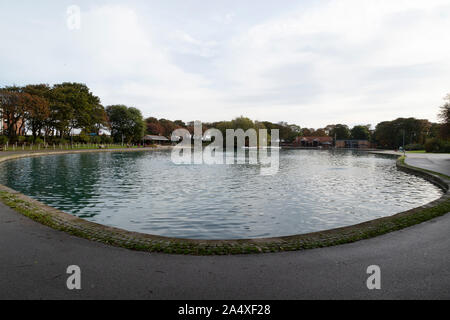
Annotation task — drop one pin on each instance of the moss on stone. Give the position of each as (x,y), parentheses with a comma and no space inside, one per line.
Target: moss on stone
(134,241)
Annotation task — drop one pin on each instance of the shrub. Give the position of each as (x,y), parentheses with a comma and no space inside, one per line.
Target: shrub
(432,145)
(96,140)
(38,141)
(414,147)
(106,139)
(54,140)
(84,138)
(445,146)
(436,145)
(13,140)
(3,140)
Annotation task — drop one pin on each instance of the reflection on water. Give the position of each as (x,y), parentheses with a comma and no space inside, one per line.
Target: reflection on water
(146,192)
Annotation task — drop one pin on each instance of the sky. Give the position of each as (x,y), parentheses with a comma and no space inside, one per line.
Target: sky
(310,63)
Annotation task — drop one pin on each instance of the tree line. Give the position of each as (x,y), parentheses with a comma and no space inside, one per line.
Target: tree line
(65,112)
(70,112)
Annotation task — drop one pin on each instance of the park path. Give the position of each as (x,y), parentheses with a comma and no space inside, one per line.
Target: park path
(434,162)
(415,264)
(437,162)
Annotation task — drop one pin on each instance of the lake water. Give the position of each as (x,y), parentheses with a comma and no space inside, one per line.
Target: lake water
(146,192)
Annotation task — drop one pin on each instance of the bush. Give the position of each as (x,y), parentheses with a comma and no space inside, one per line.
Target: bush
(13,140)
(436,145)
(96,140)
(414,147)
(38,141)
(3,140)
(106,139)
(84,138)
(54,140)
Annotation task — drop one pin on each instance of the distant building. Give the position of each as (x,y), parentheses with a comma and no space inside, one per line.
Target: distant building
(314,142)
(353,144)
(151,139)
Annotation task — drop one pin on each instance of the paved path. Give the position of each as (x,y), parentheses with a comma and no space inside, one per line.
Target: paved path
(415,264)
(434,162)
(437,162)
(33,259)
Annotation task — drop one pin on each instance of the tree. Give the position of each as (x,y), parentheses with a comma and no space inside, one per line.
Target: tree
(242,123)
(13,102)
(38,109)
(307,132)
(391,134)
(180,123)
(154,127)
(340,131)
(444,116)
(126,123)
(360,133)
(222,126)
(77,108)
(288,132)
(318,133)
(168,127)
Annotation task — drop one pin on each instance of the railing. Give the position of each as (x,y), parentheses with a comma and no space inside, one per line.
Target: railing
(65,146)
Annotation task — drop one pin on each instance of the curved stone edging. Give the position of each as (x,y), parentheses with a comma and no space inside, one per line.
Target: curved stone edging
(137,241)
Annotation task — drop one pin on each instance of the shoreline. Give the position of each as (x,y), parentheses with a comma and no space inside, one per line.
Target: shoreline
(62,221)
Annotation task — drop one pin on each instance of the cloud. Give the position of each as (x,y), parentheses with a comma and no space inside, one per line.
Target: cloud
(348,61)
(226,19)
(125,65)
(346,57)
(186,44)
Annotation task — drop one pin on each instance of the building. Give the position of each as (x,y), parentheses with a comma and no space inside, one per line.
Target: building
(353,144)
(151,139)
(314,142)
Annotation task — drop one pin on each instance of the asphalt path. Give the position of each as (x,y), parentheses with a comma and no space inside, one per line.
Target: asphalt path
(414,264)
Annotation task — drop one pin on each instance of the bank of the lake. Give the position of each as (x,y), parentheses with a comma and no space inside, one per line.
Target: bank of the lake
(138,241)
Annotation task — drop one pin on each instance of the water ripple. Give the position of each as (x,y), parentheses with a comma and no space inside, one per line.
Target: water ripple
(146,192)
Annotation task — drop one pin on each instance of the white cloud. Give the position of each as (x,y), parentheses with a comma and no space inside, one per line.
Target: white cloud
(226,19)
(343,46)
(351,61)
(186,44)
(127,66)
